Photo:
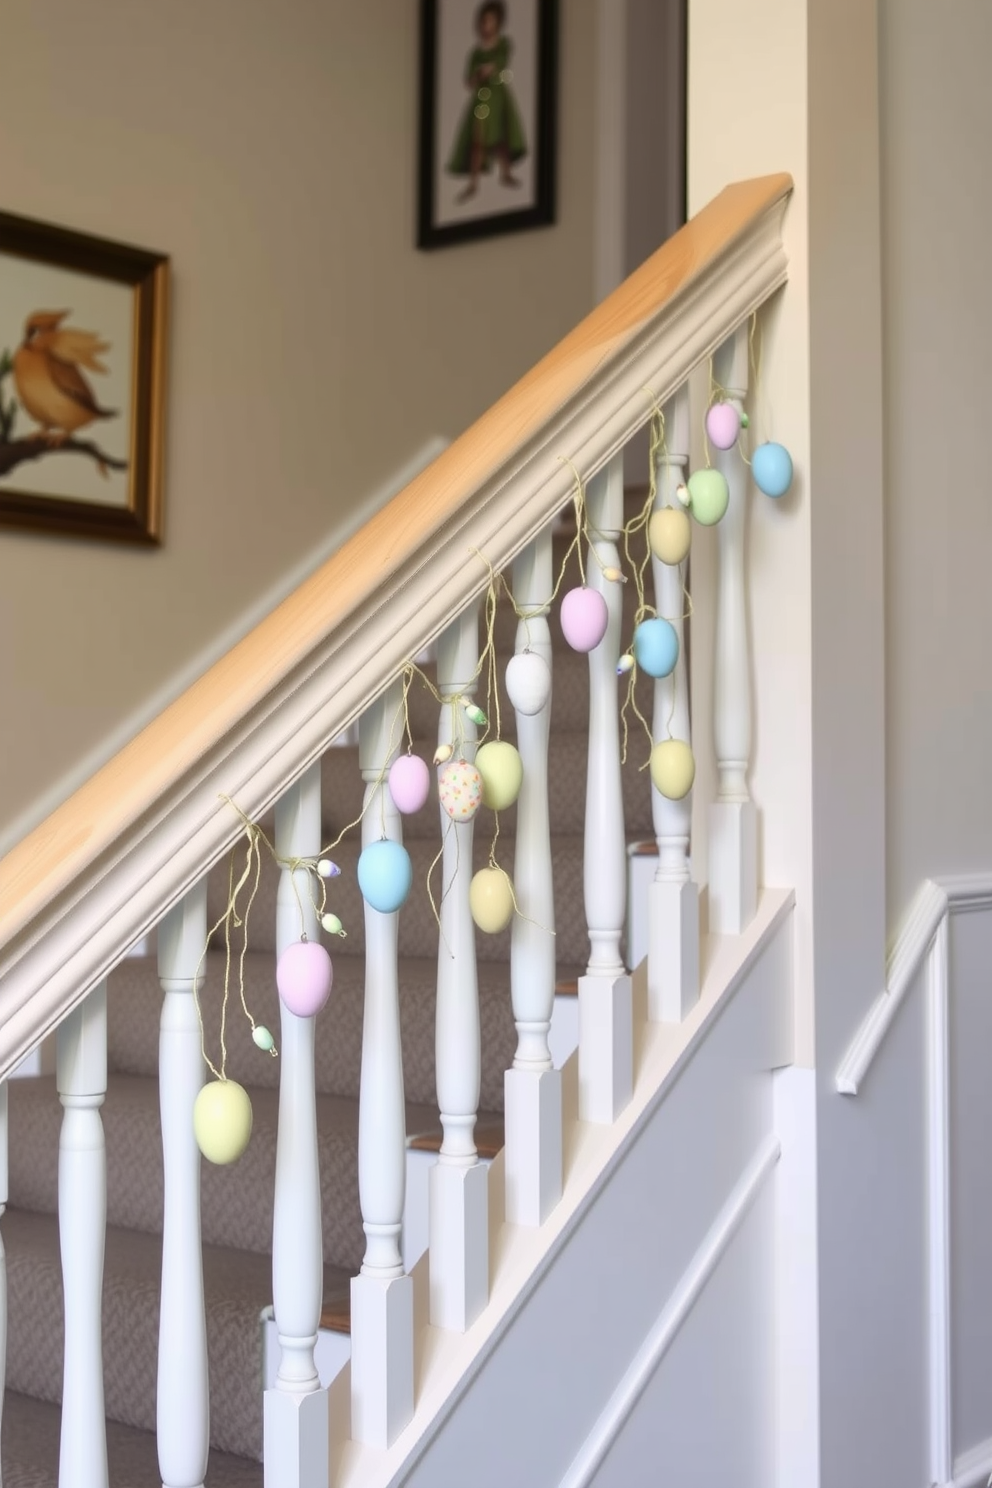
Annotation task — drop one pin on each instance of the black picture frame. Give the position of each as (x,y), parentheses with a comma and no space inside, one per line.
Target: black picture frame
(440,219)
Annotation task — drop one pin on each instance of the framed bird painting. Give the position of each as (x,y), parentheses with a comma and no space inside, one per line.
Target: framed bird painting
(82,383)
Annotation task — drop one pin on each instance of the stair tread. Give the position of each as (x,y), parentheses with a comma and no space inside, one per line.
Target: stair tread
(237,1286)
(236,1201)
(31,1452)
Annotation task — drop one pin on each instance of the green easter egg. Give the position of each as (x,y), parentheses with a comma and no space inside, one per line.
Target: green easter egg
(502,772)
(709,496)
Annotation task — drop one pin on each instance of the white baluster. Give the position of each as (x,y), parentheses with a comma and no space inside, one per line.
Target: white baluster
(532,1087)
(606,1058)
(459,1188)
(382,1296)
(183,1416)
(4,1194)
(296,1410)
(81,1062)
(733,829)
(673,899)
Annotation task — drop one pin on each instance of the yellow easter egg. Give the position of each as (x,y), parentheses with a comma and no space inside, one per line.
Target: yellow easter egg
(670,533)
(502,772)
(490,898)
(222,1120)
(673,768)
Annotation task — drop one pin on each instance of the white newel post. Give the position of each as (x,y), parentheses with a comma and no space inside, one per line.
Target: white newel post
(606,1057)
(81,1074)
(296,1410)
(4,1193)
(733,832)
(382,1296)
(459,1183)
(183,1414)
(673,899)
(532,1088)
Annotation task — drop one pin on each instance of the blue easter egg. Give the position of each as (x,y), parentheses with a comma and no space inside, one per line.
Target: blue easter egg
(385,874)
(656,647)
(771,466)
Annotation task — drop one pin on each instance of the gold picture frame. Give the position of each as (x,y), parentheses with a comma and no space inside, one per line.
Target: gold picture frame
(72,306)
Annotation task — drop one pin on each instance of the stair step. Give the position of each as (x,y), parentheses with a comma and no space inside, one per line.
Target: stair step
(237,1286)
(31,1452)
(135,1002)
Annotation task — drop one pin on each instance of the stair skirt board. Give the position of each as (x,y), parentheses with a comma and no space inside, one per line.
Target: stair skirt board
(575,1300)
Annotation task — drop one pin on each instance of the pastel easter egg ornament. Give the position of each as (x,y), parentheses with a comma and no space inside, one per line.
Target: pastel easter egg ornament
(723,425)
(409,783)
(771,466)
(502,772)
(673,768)
(222,1120)
(459,788)
(656,647)
(385,874)
(490,898)
(584,618)
(528,682)
(304,976)
(670,534)
(709,496)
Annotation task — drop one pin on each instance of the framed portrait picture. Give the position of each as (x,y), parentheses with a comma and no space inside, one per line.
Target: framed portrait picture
(487,118)
(82,383)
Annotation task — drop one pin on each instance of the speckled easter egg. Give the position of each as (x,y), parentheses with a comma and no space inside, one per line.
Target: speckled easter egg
(528,682)
(656,647)
(222,1120)
(490,898)
(385,874)
(584,618)
(709,496)
(304,976)
(502,772)
(670,534)
(459,787)
(673,768)
(771,466)
(723,425)
(409,783)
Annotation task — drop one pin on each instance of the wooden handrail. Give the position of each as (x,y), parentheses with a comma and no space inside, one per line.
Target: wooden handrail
(497,484)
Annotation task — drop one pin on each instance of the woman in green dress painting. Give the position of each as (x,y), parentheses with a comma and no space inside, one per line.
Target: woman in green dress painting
(491,127)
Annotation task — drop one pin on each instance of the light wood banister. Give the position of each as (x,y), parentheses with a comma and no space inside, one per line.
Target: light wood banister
(107,863)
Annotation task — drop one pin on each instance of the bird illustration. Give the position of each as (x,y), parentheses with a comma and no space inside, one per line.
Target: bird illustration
(49,383)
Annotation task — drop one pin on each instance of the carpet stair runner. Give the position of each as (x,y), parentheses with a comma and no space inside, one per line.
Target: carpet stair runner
(237,1201)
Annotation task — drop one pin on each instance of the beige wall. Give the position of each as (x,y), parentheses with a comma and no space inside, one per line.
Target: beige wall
(271,151)
(936,227)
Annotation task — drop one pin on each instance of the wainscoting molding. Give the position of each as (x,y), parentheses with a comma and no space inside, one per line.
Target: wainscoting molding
(925,940)
(621,1403)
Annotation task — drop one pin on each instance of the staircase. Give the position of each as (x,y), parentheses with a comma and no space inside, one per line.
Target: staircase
(236,1201)
(146,836)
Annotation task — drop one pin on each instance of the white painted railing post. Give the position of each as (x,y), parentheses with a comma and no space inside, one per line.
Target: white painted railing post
(382,1296)
(4,1194)
(532,1088)
(733,828)
(81,1063)
(606,1059)
(183,1413)
(673,899)
(459,1184)
(296,1410)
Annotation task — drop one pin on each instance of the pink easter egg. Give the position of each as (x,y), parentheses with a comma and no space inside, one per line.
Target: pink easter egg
(459,786)
(304,976)
(723,424)
(584,618)
(409,783)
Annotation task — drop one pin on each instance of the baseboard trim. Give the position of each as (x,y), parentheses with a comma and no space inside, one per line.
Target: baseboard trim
(689,1288)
